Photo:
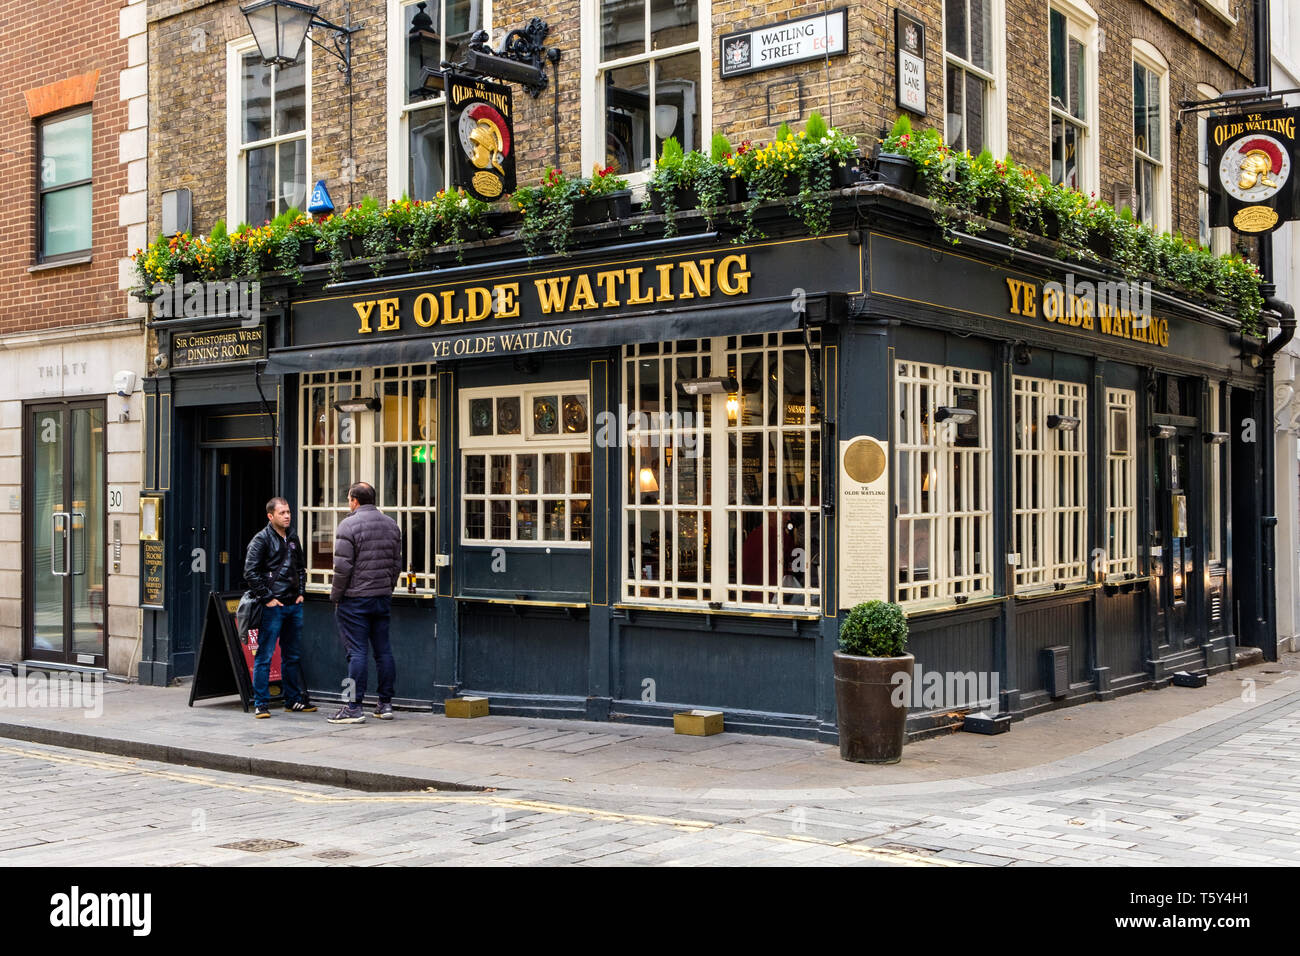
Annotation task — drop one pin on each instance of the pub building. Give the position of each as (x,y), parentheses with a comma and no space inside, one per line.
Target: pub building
(654,473)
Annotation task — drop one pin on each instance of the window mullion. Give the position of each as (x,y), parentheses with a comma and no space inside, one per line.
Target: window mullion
(720,449)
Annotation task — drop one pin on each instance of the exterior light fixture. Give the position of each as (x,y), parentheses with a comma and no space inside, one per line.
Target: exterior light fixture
(1021,353)
(649,484)
(1216,438)
(733,408)
(1066,423)
(1163,431)
(961,416)
(369,403)
(424,51)
(521,59)
(281,27)
(708,386)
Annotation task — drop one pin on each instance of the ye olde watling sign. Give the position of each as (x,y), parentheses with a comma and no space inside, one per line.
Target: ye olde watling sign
(218,346)
(792,41)
(481,119)
(1252,170)
(909,40)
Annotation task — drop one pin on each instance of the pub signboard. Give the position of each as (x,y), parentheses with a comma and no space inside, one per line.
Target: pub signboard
(1252,170)
(481,118)
(218,346)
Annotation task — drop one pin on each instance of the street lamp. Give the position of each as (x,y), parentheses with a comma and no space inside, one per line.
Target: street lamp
(282,27)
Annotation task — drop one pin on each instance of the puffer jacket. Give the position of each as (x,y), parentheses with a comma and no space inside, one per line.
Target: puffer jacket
(367,554)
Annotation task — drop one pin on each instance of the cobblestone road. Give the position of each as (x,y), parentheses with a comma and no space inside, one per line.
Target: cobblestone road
(1226,795)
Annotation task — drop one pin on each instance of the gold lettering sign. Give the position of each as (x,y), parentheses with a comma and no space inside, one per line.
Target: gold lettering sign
(1121,309)
(1255,219)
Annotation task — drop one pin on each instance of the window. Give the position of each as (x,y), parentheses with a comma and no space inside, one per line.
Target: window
(723,492)
(1050,481)
(64,194)
(394,448)
(1216,238)
(1215,490)
(526,465)
(269,135)
(418,158)
(944,483)
(1073,59)
(652,66)
(973,40)
(1150,181)
(1121,483)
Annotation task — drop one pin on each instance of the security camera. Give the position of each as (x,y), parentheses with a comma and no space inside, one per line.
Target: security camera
(124,383)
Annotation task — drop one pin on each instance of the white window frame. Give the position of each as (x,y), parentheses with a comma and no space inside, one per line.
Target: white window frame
(593,85)
(927,459)
(236,168)
(718,501)
(365,451)
(399,111)
(1121,486)
(1147,56)
(995,105)
(1039,453)
(527,443)
(1081,23)
(1219,238)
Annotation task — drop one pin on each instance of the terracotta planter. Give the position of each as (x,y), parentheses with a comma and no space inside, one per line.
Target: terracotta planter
(614,206)
(895,169)
(871,728)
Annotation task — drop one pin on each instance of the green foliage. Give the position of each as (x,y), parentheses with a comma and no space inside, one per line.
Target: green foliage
(874,629)
(902,127)
(719,148)
(784,132)
(671,156)
(548,207)
(816,128)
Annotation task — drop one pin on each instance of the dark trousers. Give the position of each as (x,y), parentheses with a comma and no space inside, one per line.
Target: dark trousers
(282,625)
(364,621)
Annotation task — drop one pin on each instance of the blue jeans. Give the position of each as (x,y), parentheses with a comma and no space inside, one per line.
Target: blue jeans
(364,621)
(282,625)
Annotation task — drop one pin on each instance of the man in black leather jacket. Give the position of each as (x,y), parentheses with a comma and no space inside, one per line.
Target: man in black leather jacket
(277,575)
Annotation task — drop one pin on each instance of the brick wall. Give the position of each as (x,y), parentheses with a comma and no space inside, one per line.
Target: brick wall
(855,91)
(55,65)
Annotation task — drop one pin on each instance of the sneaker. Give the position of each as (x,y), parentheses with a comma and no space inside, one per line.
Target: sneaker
(383,711)
(260,712)
(301,707)
(348,715)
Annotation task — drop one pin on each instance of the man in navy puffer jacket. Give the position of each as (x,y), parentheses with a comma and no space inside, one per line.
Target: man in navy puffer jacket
(367,562)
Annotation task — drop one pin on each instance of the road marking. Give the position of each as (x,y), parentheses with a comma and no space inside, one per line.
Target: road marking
(132,765)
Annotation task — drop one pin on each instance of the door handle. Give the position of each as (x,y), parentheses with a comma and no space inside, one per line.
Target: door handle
(84,546)
(59,528)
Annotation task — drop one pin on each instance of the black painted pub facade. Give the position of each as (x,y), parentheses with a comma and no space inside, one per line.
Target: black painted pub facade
(652,474)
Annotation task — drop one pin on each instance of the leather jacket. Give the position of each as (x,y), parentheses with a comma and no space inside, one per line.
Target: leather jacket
(263,564)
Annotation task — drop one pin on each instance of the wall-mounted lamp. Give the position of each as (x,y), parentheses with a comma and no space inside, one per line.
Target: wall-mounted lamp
(1163,431)
(1066,423)
(1021,353)
(358,403)
(733,409)
(1216,438)
(281,29)
(962,416)
(649,484)
(707,386)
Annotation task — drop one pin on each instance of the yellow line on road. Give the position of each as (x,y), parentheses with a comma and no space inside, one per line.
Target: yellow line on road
(132,765)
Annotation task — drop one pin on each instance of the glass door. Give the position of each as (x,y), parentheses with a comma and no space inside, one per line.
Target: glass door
(64,540)
(1177,565)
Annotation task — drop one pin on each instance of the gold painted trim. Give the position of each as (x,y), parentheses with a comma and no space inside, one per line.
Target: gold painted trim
(591,590)
(594,265)
(437,487)
(809,616)
(833,399)
(529,603)
(165,424)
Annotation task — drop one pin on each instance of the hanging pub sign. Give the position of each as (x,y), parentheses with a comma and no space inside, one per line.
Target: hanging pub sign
(780,44)
(481,118)
(1252,162)
(909,80)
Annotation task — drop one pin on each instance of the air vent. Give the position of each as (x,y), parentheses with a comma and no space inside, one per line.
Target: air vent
(1056,661)
(1123,196)
(1216,607)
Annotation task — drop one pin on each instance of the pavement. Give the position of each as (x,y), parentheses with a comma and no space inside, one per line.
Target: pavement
(618,761)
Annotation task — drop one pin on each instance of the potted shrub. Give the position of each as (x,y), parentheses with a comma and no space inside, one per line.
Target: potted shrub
(873,638)
(547,211)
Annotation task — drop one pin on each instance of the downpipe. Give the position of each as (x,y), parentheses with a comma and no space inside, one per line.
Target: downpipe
(1266,624)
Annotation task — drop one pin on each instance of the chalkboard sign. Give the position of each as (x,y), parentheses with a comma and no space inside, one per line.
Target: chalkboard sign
(224,665)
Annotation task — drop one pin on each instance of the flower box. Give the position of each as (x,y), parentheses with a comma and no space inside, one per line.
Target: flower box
(607,208)
(895,169)
(683,199)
